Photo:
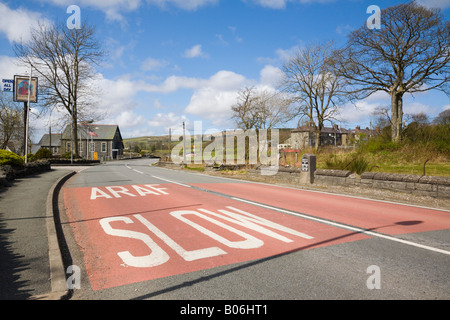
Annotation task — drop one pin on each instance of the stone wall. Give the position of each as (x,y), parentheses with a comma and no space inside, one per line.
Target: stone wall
(433,186)
(438,187)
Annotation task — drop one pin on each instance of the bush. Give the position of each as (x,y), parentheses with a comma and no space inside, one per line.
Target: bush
(43,154)
(359,165)
(10,158)
(354,163)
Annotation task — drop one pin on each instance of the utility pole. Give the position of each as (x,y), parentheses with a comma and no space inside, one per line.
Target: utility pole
(184,143)
(27,117)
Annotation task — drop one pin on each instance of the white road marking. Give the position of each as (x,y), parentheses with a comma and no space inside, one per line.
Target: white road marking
(336,224)
(167,180)
(343,226)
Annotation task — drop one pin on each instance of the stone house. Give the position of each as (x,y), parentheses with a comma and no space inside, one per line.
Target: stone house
(51,142)
(105,140)
(304,136)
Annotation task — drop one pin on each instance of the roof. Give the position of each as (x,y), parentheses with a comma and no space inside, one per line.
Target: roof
(324,130)
(103,131)
(45,140)
(335,129)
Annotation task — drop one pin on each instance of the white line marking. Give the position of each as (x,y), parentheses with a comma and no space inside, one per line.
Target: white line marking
(138,171)
(231,180)
(339,225)
(179,183)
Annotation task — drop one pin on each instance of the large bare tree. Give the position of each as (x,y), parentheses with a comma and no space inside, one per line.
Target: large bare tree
(311,79)
(261,109)
(64,60)
(410,53)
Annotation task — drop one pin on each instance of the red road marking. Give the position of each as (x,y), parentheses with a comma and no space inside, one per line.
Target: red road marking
(383,217)
(137,238)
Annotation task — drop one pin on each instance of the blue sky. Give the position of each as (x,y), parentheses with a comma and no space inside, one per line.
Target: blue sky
(171,61)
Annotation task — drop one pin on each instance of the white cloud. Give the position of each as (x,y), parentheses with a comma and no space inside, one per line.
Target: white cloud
(214,98)
(442,4)
(183,4)
(281,4)
(115,8)
(17,24)
(282,55)
(167,120)
(151,64)
(195,52)
(129,119)
(273,4)
(9,67)
(270,76)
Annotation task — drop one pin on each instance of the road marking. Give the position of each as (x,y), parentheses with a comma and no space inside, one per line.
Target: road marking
(339,225)
(138,171)
(167,180)
(329,222)
(233,180)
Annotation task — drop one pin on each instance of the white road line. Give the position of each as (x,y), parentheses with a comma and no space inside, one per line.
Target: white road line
(138,171)
(233,180)
(336,224)
(339,225)
(179,183)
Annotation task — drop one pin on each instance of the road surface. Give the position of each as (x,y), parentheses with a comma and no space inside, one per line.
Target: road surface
(136,231)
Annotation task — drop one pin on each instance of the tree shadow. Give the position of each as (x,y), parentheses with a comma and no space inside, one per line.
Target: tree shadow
(11,265)
(260,261)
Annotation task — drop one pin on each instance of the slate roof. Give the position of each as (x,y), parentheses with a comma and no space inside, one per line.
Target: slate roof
(104,132)
(45,140)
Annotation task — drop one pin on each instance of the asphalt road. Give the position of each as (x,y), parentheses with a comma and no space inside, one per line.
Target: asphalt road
(142,232)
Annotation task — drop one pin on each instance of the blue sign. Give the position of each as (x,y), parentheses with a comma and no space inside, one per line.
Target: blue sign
(8,85)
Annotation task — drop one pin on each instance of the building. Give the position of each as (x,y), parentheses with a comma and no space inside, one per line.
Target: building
(51,142)
(103,140)
(304,136)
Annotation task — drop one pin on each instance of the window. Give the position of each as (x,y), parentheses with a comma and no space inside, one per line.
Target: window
(92,146)
(103,146)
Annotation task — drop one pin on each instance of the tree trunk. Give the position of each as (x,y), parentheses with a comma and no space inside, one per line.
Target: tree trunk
(396,116)
(317,139)
(75,132)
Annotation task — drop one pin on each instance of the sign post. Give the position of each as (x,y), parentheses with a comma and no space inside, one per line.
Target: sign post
(26,91)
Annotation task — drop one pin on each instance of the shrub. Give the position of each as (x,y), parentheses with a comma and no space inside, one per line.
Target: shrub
(334,162)
(354,163)
(10,158)
(43,154)
(359,165)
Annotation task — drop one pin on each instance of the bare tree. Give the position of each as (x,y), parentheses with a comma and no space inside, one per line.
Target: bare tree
(311,79)
(11,123)
(243,112)
(64,60)
(261,109)
(410,53)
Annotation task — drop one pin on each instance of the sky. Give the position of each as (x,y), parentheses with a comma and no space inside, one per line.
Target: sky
(175,61)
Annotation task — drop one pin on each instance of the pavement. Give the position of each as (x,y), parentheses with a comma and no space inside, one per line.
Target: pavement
(31,265)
